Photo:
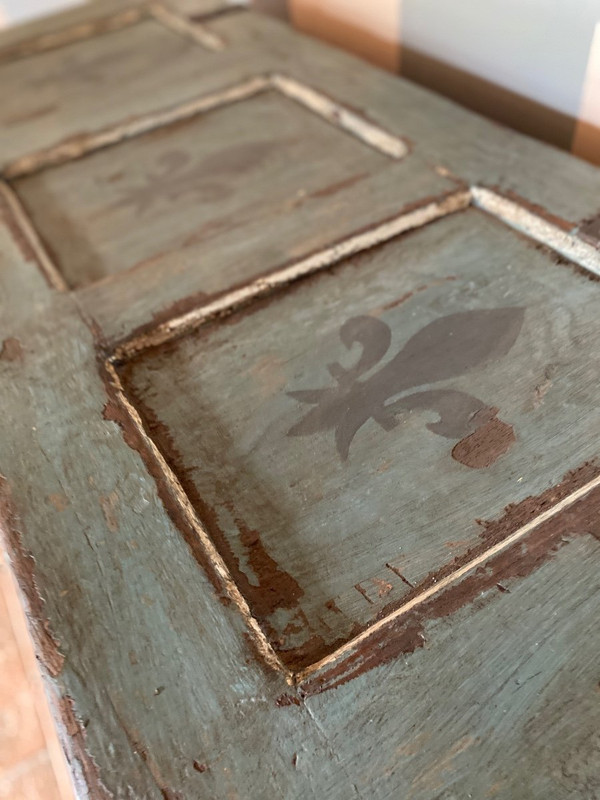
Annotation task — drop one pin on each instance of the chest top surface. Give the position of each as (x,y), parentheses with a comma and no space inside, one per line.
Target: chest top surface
(299,460)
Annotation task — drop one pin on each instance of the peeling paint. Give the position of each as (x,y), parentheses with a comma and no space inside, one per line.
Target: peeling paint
(23,566)
(11,350)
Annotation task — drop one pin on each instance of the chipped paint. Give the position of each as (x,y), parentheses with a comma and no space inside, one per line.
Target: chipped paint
(537,524)
(23,566)
(177,504)
(11,350)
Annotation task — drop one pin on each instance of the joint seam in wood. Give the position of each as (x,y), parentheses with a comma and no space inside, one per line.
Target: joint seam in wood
(516,216)
(222,306)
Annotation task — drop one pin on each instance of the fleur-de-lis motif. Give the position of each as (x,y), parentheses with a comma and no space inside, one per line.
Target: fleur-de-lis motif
(445,348)
(212,178)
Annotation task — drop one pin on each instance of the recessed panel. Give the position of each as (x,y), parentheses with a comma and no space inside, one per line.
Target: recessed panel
(341,440)
(235,174)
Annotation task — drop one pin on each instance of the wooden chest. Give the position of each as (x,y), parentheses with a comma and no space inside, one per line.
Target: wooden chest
(300,436)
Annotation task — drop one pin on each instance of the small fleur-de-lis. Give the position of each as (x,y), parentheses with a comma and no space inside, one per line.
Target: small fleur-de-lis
(210,179)
(446,348)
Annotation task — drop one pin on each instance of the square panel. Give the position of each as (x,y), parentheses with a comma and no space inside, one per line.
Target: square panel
(340,440)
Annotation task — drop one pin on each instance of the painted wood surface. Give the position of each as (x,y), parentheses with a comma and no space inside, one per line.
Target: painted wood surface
(70,24)
(297,452)
(61,96)
(195,8)
(169,678)
(450,136)
(194,183)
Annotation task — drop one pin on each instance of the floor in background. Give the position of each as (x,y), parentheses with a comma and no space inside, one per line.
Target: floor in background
(32,766)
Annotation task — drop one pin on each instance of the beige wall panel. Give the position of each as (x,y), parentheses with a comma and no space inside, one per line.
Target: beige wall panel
(371,30)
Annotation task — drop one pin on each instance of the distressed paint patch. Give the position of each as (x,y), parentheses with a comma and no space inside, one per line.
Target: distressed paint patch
(406,633)
(481,448)
(11,350)
(78,750)
(59,501)
(590,230)
(109,504)
(23,566)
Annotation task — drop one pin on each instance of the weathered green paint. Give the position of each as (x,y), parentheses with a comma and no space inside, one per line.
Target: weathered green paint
(61,94)
(342,523)
(193,184)
(487,687)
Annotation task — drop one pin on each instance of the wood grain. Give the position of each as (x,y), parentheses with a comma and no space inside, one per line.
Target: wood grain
(61,92)
(191,184)
(463,142)
(289,513)
(71,24)
(487,688)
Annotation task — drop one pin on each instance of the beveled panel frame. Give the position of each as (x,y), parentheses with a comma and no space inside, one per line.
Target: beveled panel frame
(337,115)
(327,670)
(312,99)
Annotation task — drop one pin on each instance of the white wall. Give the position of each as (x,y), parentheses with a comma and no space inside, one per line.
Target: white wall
(538,48)
(14,11)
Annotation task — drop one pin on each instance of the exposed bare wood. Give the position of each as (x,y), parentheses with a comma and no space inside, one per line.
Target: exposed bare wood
(520,218)
(456,201)
(371,134)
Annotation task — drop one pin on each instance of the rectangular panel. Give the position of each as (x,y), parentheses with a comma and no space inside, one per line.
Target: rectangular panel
(163,197)
(341,440)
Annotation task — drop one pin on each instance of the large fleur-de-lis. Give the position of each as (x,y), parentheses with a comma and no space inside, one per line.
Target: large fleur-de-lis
(446,348)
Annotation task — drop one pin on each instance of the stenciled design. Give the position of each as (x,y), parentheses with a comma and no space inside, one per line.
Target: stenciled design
(212,179)
(446,348)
